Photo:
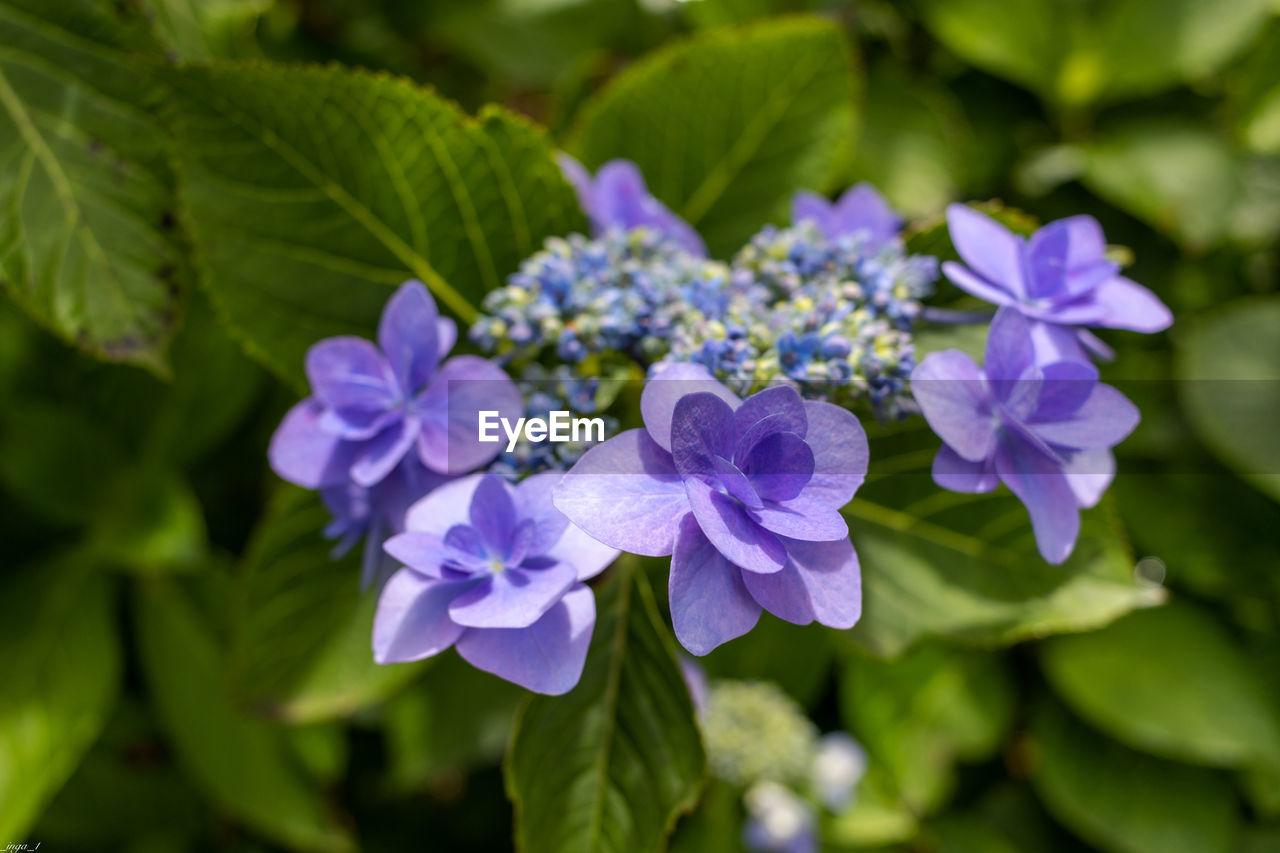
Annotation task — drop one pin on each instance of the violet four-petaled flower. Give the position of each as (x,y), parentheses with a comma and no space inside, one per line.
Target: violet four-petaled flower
(860,209)
(372,404)
(496,571)
(745,496)
(617,198)
(1060,278)
(1045,430)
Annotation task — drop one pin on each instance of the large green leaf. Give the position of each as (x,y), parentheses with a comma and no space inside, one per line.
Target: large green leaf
(1078,53)
(246,766)
(610,765)
(60,671)
(87,237)
(726,126)
(1168,680)
(1179,176)
(312,192)
(938,563)
(302,628)
(1229,370)
(920,713)
(1126,801)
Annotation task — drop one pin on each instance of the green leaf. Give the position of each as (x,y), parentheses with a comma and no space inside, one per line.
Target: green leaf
(919,714)
(87,240)
(878,815)
(1126,801)
(1228,364)
(611,764)
(60,670)
(311,193)
(1178,176)
(942,564)
(1170,681)
(301,625)
(245,766)
(728,125)
(200,30)
(1076,53)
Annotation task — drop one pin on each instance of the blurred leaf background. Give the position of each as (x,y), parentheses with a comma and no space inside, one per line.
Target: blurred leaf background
(186,207)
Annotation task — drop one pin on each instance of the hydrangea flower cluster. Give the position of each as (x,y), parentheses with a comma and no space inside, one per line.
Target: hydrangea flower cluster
(743,494)
(619,294)
(831,315)
(495,570)
(388,420)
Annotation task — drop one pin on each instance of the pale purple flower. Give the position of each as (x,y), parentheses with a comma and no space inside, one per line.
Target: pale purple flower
(1060,278)
(860,209)
(372,404)
(744,494)
(1044,430)
(838,767)
(617,198)
(495,570)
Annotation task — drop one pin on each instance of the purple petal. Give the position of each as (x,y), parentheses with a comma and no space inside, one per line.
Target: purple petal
(1010,352)
(350,373)
(409,336)
(953,398)
(990,249)
(450,410)
(513,598)
(412,621)
(957,474)
(1089,472)
(444,508)
(811,207)
(669,382)
(840,453)
(587,555)
(862,208)
(304,454)
(726,523)
(780,466)
(1052,343)
(780,404)
(548,656)
(580,179)
(493,514)
(534,502)
(1125,304)
(446,334)
(1066,386)
(803,518)
(710,604)
(964,278)
(620,198)
(701,429)
(735,482)
(1104,420)
(625,493)
(378,456)
(821,583)
(427,553)
(1039,483)
(1068,258)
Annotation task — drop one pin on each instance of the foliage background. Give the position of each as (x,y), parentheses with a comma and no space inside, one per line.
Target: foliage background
(185,209)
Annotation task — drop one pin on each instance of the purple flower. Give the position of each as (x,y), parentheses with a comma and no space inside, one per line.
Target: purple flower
(495,570)
(778,821)
(860,209)
(1060,278)
(371,405)
(1044,430)
(745,496)
(617,197)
